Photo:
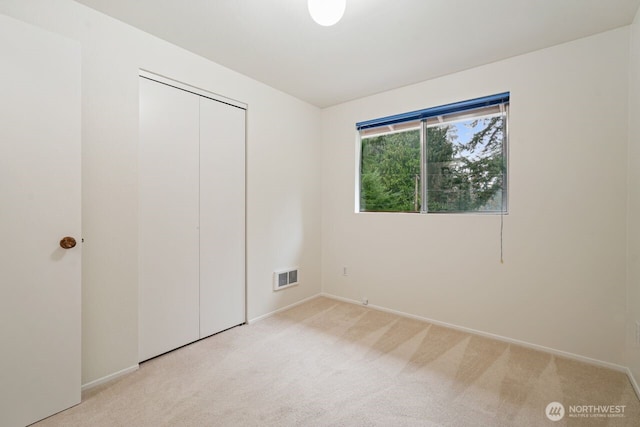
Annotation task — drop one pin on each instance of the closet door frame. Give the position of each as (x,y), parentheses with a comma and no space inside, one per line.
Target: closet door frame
(193,89)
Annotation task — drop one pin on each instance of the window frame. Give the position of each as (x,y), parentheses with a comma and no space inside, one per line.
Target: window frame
(423,117)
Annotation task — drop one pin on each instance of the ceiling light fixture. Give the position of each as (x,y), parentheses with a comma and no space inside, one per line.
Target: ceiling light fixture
(327,12)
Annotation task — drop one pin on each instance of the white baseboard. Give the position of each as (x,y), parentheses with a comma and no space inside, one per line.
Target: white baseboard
(634,383)
(264,316)
(553,351)
(109,377)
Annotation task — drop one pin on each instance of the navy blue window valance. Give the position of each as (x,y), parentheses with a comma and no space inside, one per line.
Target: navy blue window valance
(456,107)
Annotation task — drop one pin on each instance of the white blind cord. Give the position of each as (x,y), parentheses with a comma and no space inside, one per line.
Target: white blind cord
(501,232)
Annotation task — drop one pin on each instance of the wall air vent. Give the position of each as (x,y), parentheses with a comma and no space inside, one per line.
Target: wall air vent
(286,278)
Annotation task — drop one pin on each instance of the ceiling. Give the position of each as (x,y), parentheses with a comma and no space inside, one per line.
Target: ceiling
(378,45)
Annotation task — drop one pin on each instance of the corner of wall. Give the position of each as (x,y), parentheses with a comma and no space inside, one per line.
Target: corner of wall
(632,347)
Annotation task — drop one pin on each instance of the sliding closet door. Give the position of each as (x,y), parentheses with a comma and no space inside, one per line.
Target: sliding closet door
(222,216)
(168,212)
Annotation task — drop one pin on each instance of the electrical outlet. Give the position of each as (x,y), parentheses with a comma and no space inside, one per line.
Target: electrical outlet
(344,271)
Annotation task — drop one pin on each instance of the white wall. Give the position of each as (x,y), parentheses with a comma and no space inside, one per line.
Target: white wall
(562,284)
(633,213)
(283,212)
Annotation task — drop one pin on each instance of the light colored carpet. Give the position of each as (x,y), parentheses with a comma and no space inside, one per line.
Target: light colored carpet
(328,363)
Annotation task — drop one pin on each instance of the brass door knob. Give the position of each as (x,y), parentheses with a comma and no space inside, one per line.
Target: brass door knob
(67,242)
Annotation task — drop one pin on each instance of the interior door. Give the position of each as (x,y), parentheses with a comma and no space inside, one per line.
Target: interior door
(39,205)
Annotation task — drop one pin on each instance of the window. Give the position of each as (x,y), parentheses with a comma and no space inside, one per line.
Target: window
(446,159)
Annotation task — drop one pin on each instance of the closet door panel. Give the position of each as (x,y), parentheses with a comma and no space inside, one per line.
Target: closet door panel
(222,216)
(168,212)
